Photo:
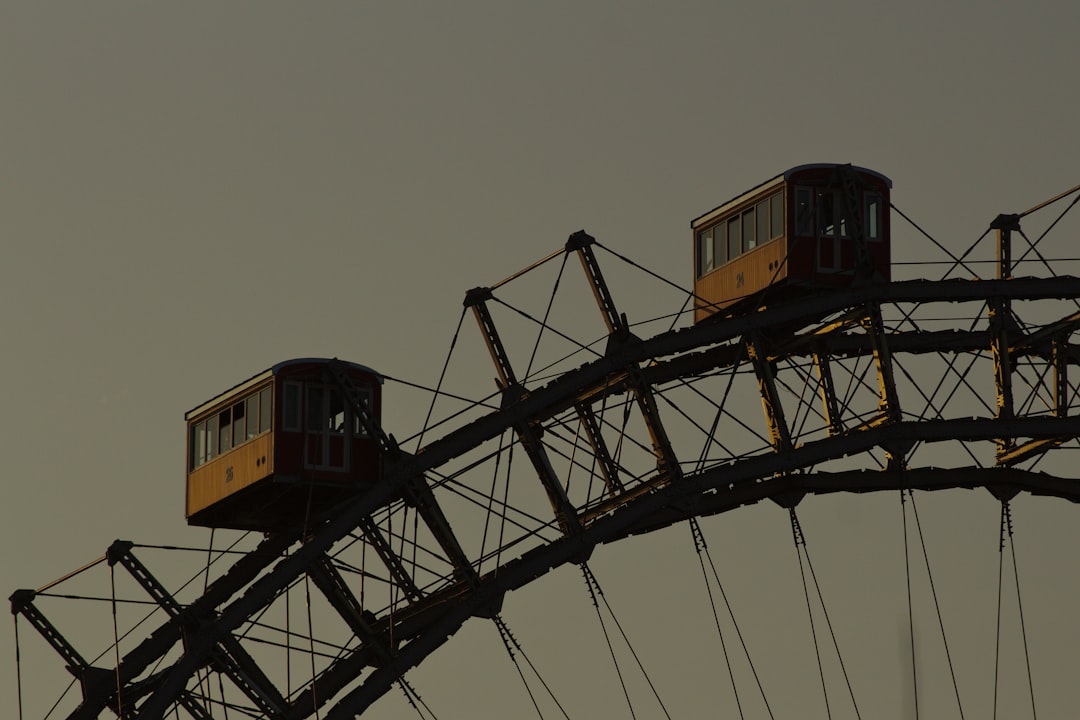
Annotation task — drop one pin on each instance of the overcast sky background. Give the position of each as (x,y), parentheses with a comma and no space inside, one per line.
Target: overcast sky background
(191,192)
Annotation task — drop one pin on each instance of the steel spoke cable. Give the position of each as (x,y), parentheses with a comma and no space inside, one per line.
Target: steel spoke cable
(307,605)
(513,649)
(962,380)
(542,375)
(931,263)
(505,514)
(1055,221)
(858,382)
(591,580)
(797,535)
(288,644)
(854,378)
(633,652)
(804,409)
(573,462)
(415,700)
(288,647)
(937,604)
(582,347)
(562,423)
(720,407)
(1037,389)
(738,632)
(504,518)
(507,511)
(209,702)
(687,417)
(116,641)
(997,625)
(1032,249)
(96,598)
(825,612)
(937,413)
(1051,201)
(967,252)
(73,573)
(911,611)
(1020,608)
(473,405)
(955,260)
(617,455)
(517,666)
(699,541)
(711,436)
(442,377)
(607,637)
(704,454)
(443,478)
(929,403)
(689,295)
(702,549)
(488,509)
(60,699)
(684,309)
(438,391)
(221,692)
(642,268)
(950,364)
(547,314)
(18,665)
(193,549)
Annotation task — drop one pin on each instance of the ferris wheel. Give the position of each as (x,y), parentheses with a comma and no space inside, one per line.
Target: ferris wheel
(808,370)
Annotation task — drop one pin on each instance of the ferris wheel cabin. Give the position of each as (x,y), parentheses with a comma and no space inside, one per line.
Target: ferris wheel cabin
(801,230)
(281,445)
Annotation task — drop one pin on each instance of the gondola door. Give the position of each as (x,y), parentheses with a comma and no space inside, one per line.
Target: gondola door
(832,233)
(326,444)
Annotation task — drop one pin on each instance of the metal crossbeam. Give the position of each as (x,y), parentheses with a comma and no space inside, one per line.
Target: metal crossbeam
(581,243)
(230,657)
(779,432)
(528,432)
(417,492)
(1002,326)
(827,391)
(593,381)
(390,558)
(608,468)
(619,334)
(888,400)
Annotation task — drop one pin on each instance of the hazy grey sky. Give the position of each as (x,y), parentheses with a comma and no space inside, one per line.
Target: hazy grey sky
(190,192)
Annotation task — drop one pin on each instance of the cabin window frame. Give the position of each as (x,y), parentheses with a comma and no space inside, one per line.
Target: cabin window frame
(730,231)
(212,446)
(705,254)
(873,222)
(292,410)
(804,211)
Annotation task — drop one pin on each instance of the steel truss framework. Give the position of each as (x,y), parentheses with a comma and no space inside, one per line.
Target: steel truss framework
(858,387)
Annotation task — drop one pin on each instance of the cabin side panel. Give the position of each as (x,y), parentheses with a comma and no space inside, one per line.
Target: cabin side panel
(746,275)
(229,473)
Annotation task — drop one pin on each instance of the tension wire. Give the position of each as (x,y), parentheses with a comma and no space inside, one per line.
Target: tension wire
(511,644)
(911,615)
(18,664)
